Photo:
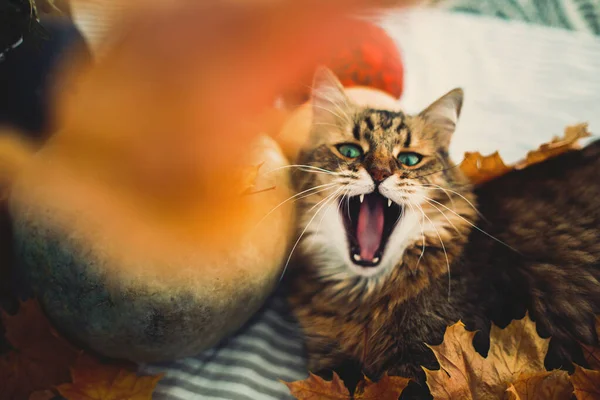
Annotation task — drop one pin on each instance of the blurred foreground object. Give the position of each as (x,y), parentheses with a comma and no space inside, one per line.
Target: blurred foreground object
(368,57)
(153,223)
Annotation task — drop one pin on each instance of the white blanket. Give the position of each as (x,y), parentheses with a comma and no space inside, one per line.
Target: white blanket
(523,83)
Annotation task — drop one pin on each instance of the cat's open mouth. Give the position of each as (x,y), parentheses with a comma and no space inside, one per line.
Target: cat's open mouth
(369,221)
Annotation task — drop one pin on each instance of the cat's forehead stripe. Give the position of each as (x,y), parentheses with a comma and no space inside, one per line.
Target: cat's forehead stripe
(405,133)
(376,123)
(356,132)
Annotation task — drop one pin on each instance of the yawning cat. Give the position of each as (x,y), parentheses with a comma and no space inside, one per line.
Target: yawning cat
(394,247)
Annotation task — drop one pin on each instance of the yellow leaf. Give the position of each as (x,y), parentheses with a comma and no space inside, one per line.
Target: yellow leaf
(316,388)
(549,385)
(387,388)
(465,374)
(586,383)
(94,381)
(592,353)
(480,168)
(569,141)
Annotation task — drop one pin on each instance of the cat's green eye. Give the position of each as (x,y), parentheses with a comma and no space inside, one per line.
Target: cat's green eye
(350,150)
(409,159)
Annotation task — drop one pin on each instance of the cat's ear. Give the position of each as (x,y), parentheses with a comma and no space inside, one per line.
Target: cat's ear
(444,112)
(328,99)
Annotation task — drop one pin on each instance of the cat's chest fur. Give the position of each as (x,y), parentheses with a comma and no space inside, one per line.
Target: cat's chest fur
(389,332)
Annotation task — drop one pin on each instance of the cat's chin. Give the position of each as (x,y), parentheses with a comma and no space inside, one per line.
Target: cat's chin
(369,221)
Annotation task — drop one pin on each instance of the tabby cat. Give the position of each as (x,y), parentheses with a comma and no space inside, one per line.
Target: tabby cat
(397,245)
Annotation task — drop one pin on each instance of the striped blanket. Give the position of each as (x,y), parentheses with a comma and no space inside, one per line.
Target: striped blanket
(247,366)
(576,15)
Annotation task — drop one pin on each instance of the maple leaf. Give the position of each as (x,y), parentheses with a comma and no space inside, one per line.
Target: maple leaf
(387,388)
(465,374)
(592,353)
(479,168)
(95,381)
(316,388)
(41,358)
(586,383)
(558,145)
(549,385)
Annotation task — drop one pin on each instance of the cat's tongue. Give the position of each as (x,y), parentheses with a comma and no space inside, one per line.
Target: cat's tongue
(370,226)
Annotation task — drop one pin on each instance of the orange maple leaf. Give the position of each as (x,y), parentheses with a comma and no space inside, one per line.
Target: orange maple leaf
(592,353)
(41,358)
(558,145)
(316,388)
(549,385)
(387,388)
(465,374)
(95,381)
(479,168)
(586,383)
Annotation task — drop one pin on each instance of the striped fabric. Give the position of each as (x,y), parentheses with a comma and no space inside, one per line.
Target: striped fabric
(245,367)
(577,15)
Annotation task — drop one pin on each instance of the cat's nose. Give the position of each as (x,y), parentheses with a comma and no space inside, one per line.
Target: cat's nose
(379,174)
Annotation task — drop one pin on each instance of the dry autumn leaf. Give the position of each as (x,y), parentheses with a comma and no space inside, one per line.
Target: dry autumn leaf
(479,168)
(549,385)
(558,145)
(387,388)
(465,374)
(586,383)
(41,358)
(95,381)
(592,353)
(316,388)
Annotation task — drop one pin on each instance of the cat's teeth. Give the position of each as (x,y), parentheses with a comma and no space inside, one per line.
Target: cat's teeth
(362,198)
(375,260)
(389,203)
(356,257)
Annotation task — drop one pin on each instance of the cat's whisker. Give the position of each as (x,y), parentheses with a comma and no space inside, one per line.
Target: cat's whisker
(431,186)
(305,168)
(443,248)
(475,226)
(344,189)
(323,204)
(298,196)
(444,215)
(460,195)
(345,117)
(332,101)
(438,171)
(421,223)
(327,198)
(325,124)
